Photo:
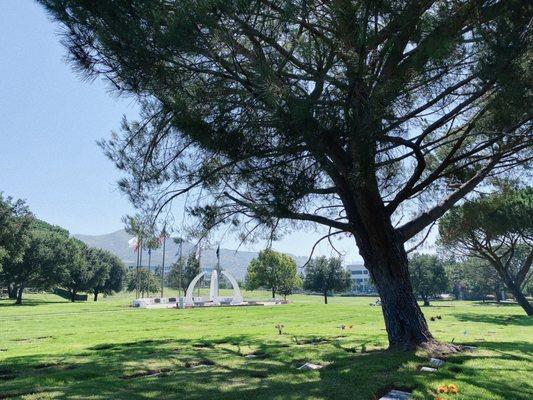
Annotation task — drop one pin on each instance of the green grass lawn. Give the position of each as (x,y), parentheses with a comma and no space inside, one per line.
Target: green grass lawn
(50,349)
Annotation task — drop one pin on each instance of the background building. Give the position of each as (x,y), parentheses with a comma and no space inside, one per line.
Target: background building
(362,284)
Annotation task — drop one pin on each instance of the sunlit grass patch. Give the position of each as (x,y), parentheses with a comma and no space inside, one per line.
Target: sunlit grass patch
(108,350)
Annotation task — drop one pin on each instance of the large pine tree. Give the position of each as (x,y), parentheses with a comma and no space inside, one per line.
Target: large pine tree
(352,114)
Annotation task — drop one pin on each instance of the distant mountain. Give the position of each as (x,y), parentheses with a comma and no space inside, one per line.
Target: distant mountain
(117,243)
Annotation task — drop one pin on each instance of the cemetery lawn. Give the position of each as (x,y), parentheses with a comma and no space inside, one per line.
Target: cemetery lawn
(52,349)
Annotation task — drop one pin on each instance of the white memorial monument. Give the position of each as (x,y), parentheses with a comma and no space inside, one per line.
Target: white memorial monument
(213,300)
(214,297)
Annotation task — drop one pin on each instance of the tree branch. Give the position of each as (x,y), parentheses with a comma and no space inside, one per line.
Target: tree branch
(411,228)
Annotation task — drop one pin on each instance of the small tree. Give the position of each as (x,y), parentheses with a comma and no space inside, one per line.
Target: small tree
(43,263)
(148,281)
(108,272)
(497,228)
(428,276)
(326,274)
(117,277)
(192,268)
(15,222)
(96,261)
(175,277)
(289,283)
(273,270)
(78,271)
(40,265)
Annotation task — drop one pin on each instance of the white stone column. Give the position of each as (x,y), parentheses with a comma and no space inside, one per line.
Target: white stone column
(213,287)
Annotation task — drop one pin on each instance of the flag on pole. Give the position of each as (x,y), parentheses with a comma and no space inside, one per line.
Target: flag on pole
(134,244)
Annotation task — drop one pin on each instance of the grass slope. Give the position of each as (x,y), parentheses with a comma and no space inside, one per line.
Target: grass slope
(52,349)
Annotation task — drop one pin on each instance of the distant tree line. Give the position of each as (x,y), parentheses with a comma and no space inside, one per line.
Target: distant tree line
(39,256)
(466,277)
(485,251)
(278,272)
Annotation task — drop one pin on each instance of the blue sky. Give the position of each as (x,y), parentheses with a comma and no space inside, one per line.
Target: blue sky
(49,123)
(50,120)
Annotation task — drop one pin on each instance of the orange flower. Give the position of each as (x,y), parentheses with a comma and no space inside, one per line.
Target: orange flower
(442,389)
(453,389)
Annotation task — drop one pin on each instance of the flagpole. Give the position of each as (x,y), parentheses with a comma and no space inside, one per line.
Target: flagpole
(137,271)
(149,265)
(180,267)
(141,289)
(163,267)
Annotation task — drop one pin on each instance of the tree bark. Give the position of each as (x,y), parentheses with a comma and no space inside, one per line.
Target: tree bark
(426,301)
(386,260)
(382,248)
(72,296)
(513,287)
(325,297)
(95,295)
(273,293)
(522,300)
(517,293)
(19,294)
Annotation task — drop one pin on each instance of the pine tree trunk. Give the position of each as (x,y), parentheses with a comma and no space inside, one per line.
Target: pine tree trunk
(522,300)
(273,293)
(383,252)
(95,295)
(325,297)
(517,293)
(387,262)
(72,296)
(514,289)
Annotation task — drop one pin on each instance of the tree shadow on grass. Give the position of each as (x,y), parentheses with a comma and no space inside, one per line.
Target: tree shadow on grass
(513,351)
(218,369)
(203,369)
(521,320)
(5,302)
(436,304)
(505,303)
(485,372)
